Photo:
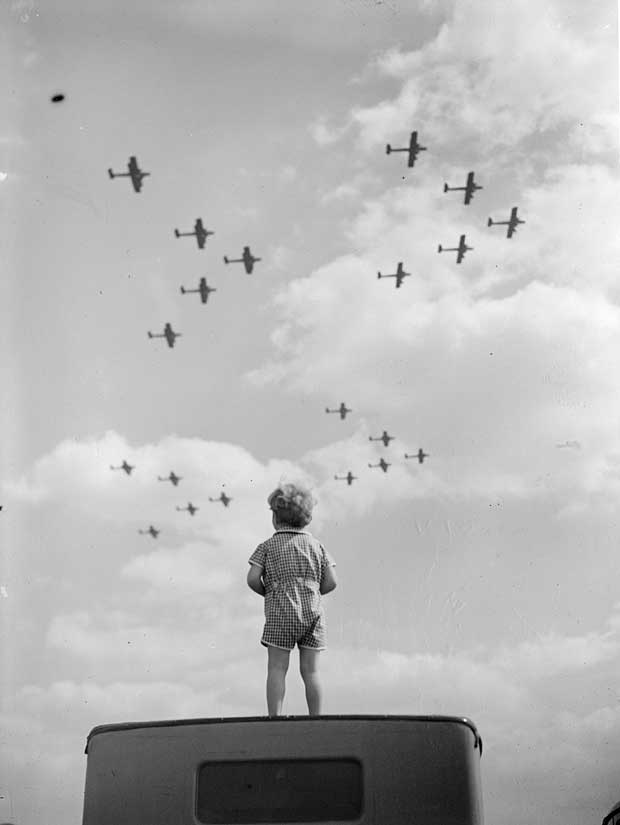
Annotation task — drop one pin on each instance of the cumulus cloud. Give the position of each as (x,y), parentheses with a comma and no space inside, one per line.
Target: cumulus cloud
(79,474)
(494,79)
(325,134)
(522,337)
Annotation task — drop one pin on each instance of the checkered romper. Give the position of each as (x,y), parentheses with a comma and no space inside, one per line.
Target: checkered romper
(293,563)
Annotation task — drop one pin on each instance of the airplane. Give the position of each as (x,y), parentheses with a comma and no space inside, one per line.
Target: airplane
(199,231)
(511,223)
(420,455)
(385,438)
(469,188)
(168,334)
(190,508)
(247,259)
(172,477)
(399,274)
(462,248)
(342,409)
(349,478)
(223,498)
(572,445)
(152,531)
(203,289)
(413,149)
(124,466)
(135,173)
(382,463)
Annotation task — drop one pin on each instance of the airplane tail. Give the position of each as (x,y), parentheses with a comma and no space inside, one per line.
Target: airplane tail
(379,275)
(388,149)
(110,173)
(226,260)
(182,290)
(150,334)
(445,187)
(177,233)
(439,248)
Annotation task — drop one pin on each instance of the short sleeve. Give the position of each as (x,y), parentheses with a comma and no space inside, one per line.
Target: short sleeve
(328,560)
(258,556)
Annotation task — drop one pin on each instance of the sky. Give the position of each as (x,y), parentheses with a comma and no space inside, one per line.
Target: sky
(481,583)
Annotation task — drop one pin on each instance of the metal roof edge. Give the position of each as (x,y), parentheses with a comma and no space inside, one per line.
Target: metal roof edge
(121,726)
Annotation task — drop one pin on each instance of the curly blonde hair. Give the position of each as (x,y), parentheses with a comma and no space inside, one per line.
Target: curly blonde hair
(292,505)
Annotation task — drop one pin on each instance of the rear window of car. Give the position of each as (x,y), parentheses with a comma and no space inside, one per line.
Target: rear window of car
(279,790)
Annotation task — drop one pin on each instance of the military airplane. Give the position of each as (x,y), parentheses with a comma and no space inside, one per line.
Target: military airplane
(349,478)
(511,223)
(223,498)
(190,508)
(469,188)
(399,274)
(413,149)
(199,231)
(124,466)
(172,477)
(420,455)
(203,289)
(168,334)
(384,437)
(572,445)
(247,259)
(382,463)
(135,173)
(342,409)
(462,248)
(151,531)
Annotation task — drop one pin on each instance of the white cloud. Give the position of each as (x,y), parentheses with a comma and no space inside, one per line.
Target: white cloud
(494,79)
(522,338)
(344,191)
(78,474)
(189,570)
(326,135)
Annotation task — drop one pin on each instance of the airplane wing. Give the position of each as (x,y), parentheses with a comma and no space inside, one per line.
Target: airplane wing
(512,222)
(469,188)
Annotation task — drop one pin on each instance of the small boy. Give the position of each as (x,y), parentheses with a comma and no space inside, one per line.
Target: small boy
(292,570)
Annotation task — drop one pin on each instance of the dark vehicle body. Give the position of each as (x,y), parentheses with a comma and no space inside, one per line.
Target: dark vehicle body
(384,770)
(613,817)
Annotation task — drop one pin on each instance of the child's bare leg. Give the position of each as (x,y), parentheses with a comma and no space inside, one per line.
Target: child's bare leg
(277,665)
(308,667)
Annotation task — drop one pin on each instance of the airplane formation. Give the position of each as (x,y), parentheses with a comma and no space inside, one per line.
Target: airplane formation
(201,233)
(469,189)
(385,438)
(174,479)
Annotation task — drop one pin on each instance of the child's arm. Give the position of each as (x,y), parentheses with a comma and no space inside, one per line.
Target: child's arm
(329,581)
(255,579)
